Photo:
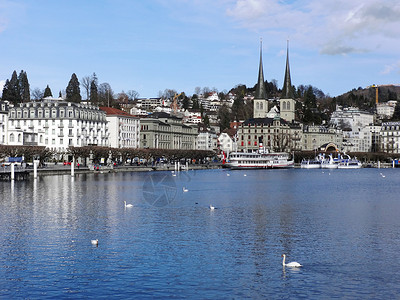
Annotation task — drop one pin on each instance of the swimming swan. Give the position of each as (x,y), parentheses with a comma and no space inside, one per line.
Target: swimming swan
(291,264)
(212,207)
(185,189)
(95,242)
(128,205)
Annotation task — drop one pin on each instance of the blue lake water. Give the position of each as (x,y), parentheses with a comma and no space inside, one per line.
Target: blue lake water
(343,226)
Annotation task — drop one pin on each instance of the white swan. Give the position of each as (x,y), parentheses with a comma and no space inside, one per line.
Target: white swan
(212,207)
(228,174)
(185,189)
(128,205)
(95,242)
(291,264)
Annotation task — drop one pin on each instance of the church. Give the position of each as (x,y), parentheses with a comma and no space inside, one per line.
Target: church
(276,134)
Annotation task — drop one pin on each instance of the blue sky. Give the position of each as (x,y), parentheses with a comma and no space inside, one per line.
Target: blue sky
(153,45)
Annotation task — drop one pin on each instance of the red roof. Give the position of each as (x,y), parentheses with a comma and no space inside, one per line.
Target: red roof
(114,111)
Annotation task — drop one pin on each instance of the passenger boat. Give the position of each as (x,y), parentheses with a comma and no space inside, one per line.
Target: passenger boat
(311,163)
(262,159)
(330,163)
(349,163)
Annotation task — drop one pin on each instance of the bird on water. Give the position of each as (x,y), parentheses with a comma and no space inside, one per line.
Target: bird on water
(291,264)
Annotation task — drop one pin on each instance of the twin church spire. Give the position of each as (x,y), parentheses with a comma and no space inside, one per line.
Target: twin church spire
(287,103)
(287,90)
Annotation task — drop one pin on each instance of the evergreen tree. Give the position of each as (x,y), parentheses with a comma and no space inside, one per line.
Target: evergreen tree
(23,85)
(224,116)
(94,95)
(11,90)
(47,92)
(73,91)
(396,114)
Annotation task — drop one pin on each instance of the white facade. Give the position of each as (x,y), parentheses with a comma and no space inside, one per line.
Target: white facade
(386,110)
(390,137)
(207,140)
(3,122)
(353,117)
(57,125)
(124,129)
(226,143)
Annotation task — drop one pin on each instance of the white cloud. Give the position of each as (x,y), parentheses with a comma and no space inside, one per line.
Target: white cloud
(332,27)
(388,69)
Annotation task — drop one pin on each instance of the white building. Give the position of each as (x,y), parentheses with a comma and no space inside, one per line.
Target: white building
(207,140)
(3,122)
(124,128)
(390,137)
(57,125)
(226,143)
(352,118)
(385,110)
(192,116)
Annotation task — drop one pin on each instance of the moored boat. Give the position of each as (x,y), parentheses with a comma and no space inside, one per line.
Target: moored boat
(258,160)
(330,163)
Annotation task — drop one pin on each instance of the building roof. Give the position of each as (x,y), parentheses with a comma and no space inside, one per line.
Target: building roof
(110,111)
(260,89)
(263,121)
(287,91)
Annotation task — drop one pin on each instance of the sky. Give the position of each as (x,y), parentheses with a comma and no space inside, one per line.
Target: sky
(153,45)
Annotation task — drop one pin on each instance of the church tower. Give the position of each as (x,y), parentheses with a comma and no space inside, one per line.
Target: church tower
(287,103)
(260,104)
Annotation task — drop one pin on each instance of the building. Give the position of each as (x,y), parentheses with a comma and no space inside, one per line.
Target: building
(260,102)
(351,118)
(3,122)
(57,124)
(315,136)
(227,141)
(267,128)
(163,131)
(390,137)
(207,140)
(124,128)
(385,110)
(287,103)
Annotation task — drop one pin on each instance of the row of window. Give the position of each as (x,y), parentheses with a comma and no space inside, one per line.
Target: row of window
(56,113)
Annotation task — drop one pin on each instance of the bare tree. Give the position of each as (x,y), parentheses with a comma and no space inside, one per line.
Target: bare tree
(37,94)
(133,95)
(85,81)
(106,94)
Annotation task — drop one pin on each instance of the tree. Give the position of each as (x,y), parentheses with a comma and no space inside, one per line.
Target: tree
(106,95)
(133,95)
(47,92)
(37,94)
(224,117)
(11,90)
(86,82)
(23,85)
(94,95)
(73,91)
(396,114)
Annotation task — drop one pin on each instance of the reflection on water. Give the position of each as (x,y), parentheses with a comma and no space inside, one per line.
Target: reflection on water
(342,226)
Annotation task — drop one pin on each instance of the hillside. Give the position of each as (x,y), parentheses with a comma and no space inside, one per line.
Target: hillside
(365,97)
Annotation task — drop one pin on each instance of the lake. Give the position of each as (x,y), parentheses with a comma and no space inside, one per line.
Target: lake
(343,226)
